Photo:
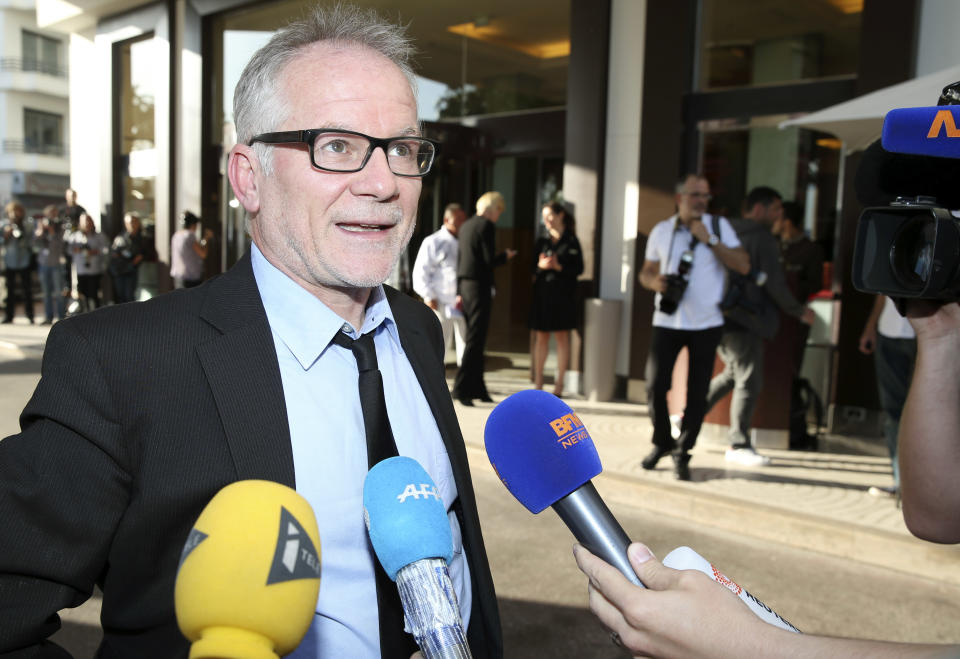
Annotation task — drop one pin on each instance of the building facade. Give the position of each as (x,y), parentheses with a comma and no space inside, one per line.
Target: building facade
(34,109)
(603,102)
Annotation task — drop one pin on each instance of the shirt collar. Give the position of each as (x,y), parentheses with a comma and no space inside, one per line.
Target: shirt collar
(306,325)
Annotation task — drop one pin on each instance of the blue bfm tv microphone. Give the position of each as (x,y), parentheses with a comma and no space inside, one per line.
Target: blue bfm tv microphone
(544,455)
(929,131)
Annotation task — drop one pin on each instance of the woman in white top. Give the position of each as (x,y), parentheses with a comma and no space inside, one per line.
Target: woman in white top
(88,247)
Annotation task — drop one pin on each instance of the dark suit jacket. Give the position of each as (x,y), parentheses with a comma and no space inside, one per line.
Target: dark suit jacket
(143,412)
(477,251)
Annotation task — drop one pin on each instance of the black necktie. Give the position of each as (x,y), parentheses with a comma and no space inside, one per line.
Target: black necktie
(394,642)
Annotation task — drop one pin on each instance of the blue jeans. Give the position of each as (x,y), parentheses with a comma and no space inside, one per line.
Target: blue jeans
(742,355)
(51,281)
(893,361)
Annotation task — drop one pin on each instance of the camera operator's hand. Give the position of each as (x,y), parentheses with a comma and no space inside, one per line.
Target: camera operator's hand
(929,440)
(934,321)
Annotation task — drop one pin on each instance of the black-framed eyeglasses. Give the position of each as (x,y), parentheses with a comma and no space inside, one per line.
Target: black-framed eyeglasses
(337,150)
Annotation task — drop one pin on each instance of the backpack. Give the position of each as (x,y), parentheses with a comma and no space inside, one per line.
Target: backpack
(744,301)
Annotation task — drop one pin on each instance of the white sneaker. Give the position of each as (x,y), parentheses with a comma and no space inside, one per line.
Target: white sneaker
(746,456)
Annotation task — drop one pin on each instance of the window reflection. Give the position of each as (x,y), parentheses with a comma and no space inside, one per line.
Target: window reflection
(756,42)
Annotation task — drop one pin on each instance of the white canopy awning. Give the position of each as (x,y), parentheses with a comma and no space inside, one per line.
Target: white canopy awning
(859,121)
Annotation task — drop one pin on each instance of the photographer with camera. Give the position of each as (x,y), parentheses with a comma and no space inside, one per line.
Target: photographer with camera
(751,308)
(16,237)
(48,242)
(685,264)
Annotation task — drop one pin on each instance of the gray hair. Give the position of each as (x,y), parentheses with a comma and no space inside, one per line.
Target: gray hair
(681,186)
(258,105)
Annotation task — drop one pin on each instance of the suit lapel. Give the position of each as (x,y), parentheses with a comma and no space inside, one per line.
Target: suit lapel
(244,376)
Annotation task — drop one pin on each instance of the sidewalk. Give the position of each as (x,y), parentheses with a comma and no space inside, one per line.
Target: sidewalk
(23,340)
(808,500)
(815,500)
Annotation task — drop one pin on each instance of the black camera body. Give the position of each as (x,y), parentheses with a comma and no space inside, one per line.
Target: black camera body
(676,284)
(909,249)
(671,296)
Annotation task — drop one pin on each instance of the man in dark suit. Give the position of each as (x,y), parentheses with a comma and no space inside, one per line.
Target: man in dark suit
(144,411)
(475,263)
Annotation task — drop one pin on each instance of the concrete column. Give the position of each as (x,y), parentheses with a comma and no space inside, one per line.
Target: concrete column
(621,186)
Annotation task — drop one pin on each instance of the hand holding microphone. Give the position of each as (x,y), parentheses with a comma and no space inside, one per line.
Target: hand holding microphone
(249,573)
(411,536)
(544,455)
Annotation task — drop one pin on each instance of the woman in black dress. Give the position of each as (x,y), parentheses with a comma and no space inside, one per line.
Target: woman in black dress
(557,264)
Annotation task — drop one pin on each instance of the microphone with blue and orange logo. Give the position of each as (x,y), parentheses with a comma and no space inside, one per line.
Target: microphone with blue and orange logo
(927,131)
(544,455)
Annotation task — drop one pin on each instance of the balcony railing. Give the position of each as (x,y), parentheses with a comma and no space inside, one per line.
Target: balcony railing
(32,66)
(19,146)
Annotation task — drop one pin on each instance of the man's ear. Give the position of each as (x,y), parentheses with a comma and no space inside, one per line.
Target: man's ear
(244,171)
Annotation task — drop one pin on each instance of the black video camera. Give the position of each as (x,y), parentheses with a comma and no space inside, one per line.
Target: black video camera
(910,248)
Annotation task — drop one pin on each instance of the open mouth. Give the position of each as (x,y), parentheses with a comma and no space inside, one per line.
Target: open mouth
(362,228)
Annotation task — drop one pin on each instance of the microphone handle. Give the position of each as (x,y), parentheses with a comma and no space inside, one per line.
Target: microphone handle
(595,527)
(431,610)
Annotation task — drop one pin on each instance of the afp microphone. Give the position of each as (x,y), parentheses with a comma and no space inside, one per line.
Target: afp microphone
(249,573)
(544,455)
(929,131)
(410,533)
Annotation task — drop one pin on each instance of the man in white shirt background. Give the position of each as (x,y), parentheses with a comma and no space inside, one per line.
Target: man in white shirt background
(687,253)
(435,278)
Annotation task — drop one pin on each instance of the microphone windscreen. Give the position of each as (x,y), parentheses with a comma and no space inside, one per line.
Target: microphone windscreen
(405,516)
(539,448)
(883,176)
(930,131)
(250,567)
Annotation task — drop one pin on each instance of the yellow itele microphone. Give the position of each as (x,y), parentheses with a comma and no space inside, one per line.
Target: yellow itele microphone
(249,573)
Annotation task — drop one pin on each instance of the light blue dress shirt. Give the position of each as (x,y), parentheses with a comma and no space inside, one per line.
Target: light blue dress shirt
(330,452)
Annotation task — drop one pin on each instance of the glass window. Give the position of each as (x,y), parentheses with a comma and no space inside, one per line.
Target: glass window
(40,53)
(802,165)
(42,132)
(138,153)
(468,63)
(756,42)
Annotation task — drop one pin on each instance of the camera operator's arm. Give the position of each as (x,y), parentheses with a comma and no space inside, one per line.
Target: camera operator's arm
(732,258)
(650,277)
(868,339)
(929,441)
